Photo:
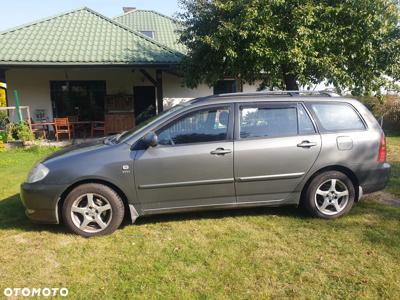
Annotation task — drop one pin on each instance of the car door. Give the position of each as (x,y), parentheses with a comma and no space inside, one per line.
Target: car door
(275,146)
(192,165)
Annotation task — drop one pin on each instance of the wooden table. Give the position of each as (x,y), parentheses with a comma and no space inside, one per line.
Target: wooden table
(45,125)
(73,124)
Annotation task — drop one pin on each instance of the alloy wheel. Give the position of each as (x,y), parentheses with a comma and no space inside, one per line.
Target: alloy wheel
(331,197)
(91,213)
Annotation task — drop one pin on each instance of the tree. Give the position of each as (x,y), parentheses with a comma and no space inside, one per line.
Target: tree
(352,44)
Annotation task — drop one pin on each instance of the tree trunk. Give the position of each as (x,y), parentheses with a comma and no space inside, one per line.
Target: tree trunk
(290,82)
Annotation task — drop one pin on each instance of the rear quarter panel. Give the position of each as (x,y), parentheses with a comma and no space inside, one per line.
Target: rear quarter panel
(361,159)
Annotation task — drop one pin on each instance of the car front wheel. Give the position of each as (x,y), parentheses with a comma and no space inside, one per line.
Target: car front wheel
(329,195)
(93,209)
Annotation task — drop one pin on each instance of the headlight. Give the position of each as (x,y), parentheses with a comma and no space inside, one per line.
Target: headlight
(37,173)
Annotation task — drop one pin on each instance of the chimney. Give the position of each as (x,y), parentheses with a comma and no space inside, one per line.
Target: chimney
(128,9)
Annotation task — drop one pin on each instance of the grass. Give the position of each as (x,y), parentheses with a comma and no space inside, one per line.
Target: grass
(263,253)
(394,158)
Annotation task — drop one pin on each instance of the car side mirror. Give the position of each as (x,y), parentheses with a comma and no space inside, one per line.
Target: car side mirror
(150,139)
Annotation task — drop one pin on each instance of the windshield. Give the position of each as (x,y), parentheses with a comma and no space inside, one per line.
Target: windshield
(127,134)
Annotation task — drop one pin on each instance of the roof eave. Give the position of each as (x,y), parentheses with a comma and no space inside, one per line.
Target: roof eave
(87,65)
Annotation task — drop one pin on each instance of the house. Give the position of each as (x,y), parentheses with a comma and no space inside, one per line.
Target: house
(81,63)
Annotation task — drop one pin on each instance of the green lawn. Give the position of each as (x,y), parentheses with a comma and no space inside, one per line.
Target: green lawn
(263,253)
(394,158)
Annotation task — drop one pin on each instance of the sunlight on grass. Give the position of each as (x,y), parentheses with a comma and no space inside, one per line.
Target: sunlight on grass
(252,253)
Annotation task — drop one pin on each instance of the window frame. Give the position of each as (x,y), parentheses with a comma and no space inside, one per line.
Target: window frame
(272,105)
(178,117)
(322,129)
(153,33)
(231,81)
(316,128)
(257,105)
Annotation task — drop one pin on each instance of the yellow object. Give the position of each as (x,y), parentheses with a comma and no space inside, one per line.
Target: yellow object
(3,101)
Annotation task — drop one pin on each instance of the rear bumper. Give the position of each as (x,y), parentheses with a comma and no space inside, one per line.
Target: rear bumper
(41,202)
(376,179)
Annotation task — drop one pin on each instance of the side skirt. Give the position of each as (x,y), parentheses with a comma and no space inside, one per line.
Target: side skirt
(270,203)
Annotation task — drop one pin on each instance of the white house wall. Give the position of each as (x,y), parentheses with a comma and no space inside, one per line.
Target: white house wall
(33,85)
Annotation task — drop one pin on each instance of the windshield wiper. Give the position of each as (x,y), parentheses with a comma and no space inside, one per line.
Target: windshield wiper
(111,140)
(118,136)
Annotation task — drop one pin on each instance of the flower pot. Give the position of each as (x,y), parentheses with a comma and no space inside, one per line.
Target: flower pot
(27,144)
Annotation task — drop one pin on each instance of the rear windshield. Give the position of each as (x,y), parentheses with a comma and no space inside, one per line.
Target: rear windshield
(337,116)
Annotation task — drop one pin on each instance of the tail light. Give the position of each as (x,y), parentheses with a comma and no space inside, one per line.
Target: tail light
(382,150)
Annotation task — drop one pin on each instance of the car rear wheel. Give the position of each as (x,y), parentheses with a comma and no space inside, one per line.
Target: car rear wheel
(93,209)
(329,195)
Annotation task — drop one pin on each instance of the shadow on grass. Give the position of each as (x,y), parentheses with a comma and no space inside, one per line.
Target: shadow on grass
(289,211)
(12,216)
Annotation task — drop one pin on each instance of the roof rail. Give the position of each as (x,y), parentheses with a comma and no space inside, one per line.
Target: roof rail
(299,93)
(268,93)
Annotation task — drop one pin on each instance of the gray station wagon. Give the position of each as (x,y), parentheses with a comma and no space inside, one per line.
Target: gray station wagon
(229,151)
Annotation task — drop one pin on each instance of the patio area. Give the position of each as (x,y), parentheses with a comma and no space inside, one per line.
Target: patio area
(69,128)
(80,116)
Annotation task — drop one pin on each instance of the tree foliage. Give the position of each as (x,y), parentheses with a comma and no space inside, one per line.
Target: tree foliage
(352,44)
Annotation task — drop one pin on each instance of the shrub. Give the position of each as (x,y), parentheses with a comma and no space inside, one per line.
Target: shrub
(24,133)
(11,134)
(2,140)
(19,131)
(386,108)
(3,120)
(3,136)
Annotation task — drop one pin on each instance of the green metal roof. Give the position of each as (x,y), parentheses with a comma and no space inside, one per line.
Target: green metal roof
(81,37)
(165,28)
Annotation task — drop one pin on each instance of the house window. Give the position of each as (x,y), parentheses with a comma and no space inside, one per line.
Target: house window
(148,33)
(225,87)
(84,99)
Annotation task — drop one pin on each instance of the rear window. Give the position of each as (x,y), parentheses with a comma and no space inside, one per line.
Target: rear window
(337,116)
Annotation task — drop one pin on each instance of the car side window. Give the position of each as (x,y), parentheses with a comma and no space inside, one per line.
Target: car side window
(207,125)
(337,116)
(305,124)
(268,121)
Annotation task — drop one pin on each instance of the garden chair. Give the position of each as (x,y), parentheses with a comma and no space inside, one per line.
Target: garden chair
(98,126)
(62,126)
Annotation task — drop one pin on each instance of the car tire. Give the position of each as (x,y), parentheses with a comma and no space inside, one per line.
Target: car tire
(329,195)
(93,209)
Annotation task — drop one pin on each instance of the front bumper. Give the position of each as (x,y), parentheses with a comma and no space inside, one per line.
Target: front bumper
(41,202)
(376,179)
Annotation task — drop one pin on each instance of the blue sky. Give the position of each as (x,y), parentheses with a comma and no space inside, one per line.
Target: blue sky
(17,12)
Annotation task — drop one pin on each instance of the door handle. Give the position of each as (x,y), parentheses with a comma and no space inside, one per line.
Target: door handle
(220,151)
(306,144)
